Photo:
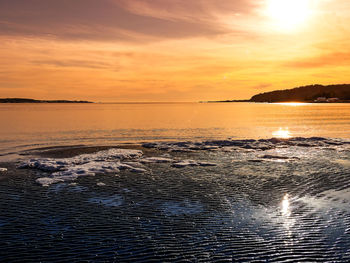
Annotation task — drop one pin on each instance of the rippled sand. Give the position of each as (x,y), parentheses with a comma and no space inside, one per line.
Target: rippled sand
(267,200)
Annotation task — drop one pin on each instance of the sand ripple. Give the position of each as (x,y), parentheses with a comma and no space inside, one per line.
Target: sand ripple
(292,204)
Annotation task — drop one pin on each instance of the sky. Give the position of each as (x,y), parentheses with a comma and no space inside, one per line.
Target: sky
(170,50)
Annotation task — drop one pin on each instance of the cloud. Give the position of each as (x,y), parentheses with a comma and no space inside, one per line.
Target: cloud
(75,63)
(122,20)
(262,86)
(324,60)
(189,10)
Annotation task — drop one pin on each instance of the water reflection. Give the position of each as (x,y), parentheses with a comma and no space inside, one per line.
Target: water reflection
(294,103)
(282,133)
(285,206)
(108,124)
(288,220)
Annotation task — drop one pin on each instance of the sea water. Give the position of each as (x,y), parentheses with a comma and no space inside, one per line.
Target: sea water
(208,184)
(26,126)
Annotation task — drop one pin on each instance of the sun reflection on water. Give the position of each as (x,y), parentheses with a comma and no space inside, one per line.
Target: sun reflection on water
(288,220)
(293,103)
(282,133)
(285,206)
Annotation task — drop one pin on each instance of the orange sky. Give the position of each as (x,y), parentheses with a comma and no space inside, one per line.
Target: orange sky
(170,50)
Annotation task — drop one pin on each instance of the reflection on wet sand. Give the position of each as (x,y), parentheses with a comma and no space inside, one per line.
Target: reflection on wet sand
(288,220)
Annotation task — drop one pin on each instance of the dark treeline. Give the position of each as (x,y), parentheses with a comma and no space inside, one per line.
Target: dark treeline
(305,94)
(21,100)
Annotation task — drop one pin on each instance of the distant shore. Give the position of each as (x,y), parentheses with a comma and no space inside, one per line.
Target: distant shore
(307,94)
(223,101)
(236,101)
(23,100)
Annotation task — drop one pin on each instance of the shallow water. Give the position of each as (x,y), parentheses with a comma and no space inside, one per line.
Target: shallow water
(192,195)
(26,126)
(263,201)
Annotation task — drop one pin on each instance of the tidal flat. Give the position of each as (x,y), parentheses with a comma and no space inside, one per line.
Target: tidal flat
(270,200)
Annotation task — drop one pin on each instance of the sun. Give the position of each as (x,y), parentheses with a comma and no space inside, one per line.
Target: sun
(288,14)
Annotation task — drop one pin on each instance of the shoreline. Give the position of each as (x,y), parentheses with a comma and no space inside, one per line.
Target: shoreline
(25,100)
(275,102)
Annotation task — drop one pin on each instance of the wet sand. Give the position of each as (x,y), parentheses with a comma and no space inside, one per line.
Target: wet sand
(280,201)
(74,150)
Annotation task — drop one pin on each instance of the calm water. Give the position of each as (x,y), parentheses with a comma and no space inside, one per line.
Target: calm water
(30,125)
(215,201)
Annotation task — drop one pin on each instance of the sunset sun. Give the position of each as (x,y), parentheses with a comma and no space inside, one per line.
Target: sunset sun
(288,14)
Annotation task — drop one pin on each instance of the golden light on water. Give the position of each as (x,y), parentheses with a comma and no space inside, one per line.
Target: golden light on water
(293,103)
(282,133)
(288,14)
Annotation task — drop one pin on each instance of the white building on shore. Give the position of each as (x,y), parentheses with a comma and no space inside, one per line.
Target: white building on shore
(324,99)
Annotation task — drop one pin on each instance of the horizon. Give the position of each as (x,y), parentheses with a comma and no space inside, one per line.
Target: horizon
(175,102)
(140,51)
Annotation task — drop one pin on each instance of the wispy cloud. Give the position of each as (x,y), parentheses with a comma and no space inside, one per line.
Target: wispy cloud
(200,10)
(73,63)
(112,20)
(323,60)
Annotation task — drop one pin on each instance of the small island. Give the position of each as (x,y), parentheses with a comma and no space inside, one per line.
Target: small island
(23,100)
(308,94)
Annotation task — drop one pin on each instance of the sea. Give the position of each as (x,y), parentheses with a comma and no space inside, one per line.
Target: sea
(24,126)
(175,182)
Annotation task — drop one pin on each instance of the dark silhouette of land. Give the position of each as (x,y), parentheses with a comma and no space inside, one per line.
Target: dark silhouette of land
(305,94)
(22,100)
(225,101)
(311,93)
